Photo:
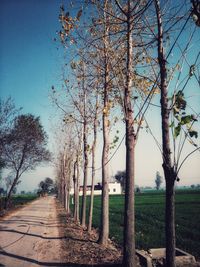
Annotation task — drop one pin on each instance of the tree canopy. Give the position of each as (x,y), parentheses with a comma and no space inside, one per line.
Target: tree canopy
(47,186)
(24,147)
(7,113)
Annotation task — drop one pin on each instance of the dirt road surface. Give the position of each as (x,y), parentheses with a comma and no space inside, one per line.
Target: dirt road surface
(30,236)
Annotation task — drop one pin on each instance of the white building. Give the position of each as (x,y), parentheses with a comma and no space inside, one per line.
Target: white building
(113,188)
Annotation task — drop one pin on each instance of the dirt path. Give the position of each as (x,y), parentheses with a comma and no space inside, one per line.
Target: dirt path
(30,236)
(40,234)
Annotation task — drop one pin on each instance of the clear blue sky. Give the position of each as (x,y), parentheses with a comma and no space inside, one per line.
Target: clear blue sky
(30,64)
(29,61)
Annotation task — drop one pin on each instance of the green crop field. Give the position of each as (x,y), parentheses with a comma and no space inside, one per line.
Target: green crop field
(18,200)
(150,219)
(23,199)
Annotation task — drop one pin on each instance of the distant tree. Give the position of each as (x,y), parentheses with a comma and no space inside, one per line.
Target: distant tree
(138,190)
(24,148)
(46,186)
(158,180)
(120,176)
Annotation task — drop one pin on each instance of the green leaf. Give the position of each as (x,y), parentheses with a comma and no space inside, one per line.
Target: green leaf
(171,125)
(193,133)
(186,119)
(177,130)
(180,103)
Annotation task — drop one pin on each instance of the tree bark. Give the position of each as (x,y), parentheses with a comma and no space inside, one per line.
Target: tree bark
(77,191)
(78,152)
(93,168)
(63,194)
(169,172)
(67,191)
(68,200)
(85,148)
(104,230)
(170,224)
(64,181)
(104,227)
(129,214)
(8,197)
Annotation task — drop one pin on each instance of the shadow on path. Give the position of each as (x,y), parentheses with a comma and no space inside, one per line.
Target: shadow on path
(29,234)
(53,263)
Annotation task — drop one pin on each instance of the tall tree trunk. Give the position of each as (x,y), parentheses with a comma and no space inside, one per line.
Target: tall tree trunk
(170,223)
(129,214)
(68,201)
(104,228)
(77,191)
(63,192)
(169,172)
(68,178)
(78,152)
(63,182)
(85,148)
(64,195)
(93,168)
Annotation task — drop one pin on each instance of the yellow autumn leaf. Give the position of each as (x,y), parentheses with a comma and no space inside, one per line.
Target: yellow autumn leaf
(148,60)
(157,91)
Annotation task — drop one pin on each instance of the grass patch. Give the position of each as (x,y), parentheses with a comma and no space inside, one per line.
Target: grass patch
(150,226)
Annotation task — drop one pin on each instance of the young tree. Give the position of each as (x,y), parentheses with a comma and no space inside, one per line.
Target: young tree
(175,107)
(95,125)
(85,144)
(68,141)
(24,148)
(158,180)
(76,178)
(69,33)
(130,14)
(104,226)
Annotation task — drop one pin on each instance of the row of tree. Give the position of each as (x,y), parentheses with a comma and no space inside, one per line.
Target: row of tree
(22,144)
(118,61)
